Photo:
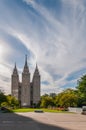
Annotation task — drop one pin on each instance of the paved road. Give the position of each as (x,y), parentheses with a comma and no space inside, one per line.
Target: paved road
(42,121)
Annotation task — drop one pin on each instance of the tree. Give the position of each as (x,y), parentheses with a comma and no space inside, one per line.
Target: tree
(53,95)
(4,104)
(8,101)
(67,98)
(82,85)
(46,101)
(2,98)
(81,88)
(12,101)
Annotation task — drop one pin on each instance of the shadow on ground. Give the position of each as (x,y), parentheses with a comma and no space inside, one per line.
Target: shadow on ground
(13,121)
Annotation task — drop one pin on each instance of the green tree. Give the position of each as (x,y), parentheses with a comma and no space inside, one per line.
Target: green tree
(67,98)
(81,85)
(12,101)
(81,88)
(4,104)
(53,95)
(46,101)
(2,98)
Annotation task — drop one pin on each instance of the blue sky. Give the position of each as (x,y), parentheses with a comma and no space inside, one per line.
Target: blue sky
(52,33)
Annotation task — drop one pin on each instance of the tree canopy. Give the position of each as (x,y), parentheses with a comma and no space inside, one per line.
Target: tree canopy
(81,88)
(67,98)
(8,101)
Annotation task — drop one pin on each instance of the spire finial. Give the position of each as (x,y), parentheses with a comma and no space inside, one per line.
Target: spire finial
(25,60)
(15,69)
(36,72)
(36,66)
(26,69)
(15,65)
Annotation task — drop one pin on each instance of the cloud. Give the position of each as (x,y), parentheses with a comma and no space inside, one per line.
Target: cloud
(5,77)
(65,43)
(57,44)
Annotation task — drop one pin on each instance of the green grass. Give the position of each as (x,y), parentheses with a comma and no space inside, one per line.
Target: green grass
(32,110)
(24,110)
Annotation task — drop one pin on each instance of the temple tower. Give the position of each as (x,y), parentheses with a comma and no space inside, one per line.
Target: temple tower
(25,89)
(36,86)
(14,82)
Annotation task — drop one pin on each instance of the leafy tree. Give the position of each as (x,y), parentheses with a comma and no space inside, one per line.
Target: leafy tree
(2,97)
(8,100)
(81,88)
(12,101)
(67,98)
(4,104)
(46,102)
(53,95)
(82,85)
(45,95)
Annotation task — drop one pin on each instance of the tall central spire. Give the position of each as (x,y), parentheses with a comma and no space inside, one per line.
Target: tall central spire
(15,66)
(25,60)
(26,69)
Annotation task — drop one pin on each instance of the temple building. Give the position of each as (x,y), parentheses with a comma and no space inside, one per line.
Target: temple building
(28,93)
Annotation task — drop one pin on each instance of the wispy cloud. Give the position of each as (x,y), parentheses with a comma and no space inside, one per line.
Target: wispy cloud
(56,43)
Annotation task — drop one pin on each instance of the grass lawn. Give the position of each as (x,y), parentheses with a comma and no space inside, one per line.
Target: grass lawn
(33,109)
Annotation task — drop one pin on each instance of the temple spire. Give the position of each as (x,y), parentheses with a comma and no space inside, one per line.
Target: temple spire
(15,65)
(36,67)
(26,69)
(15,69)
(36,70)
(26,60)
